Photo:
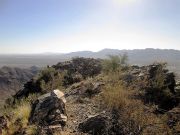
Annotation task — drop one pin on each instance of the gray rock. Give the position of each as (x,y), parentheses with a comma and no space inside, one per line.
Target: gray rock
(95,125)
(49,110)
(86,89)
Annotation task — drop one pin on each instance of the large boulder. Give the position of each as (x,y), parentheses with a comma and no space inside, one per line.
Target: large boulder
(49,110)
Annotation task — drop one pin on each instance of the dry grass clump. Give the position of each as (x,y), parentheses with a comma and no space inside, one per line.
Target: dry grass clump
(31,130)
(66,133)
(133,117)
(60,133)
(116,97)
(22,113)
(17,119)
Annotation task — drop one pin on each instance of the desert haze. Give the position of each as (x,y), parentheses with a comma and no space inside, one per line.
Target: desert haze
(89,67)
(136,57)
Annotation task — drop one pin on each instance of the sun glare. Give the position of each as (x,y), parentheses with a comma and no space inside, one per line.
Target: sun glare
(124,2)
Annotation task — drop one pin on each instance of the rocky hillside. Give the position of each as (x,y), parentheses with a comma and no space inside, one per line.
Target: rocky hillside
(96,97)
(13,79)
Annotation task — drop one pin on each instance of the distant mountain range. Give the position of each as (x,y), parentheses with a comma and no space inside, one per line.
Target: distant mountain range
(137,56)
(15,69)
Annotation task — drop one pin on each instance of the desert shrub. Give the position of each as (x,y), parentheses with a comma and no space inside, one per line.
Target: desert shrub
(22,113)
(17,118)
(64,133)
(114,63)
(32,130)
(130,115)
(47,80)
(70,78)
(50,79)
(124,59)
(115,97)
(47,74)
(157,75)
(160,87)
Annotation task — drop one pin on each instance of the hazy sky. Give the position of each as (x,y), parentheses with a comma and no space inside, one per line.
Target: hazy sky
(35,26)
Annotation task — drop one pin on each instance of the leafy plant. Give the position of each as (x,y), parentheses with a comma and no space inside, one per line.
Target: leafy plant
(115,63)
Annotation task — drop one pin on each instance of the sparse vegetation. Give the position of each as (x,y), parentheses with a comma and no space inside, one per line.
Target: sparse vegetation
(130,96)
(116,97)
(159,88)
(18,119)
(114,63)
(132,116)
(86,67)
(49,79)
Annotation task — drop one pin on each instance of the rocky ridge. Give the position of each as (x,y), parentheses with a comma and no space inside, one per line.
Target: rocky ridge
(80,110)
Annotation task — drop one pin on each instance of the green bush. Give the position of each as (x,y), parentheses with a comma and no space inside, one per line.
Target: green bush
(115,63)
(160,87)
(50,79)
(47,80)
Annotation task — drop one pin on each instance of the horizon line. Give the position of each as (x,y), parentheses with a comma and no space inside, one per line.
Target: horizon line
(64,53)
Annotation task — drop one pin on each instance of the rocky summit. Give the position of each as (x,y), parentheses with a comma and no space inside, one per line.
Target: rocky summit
(127,100)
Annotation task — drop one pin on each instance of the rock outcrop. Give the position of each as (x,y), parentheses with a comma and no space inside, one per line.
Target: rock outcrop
(156,83)
(95,125)
(64,73)
(49,110)
(85,89)
(79,68)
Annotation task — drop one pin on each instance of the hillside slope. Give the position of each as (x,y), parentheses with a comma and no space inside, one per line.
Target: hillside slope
(87,96)
(13,79)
